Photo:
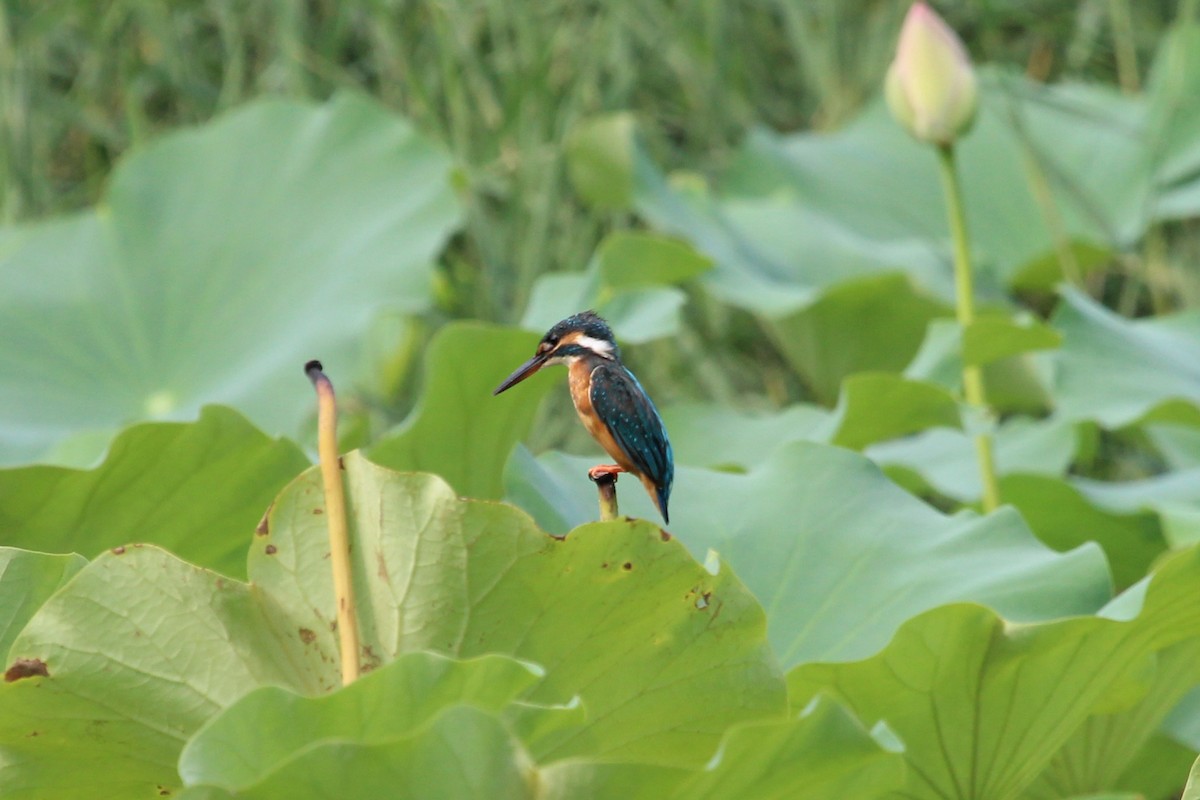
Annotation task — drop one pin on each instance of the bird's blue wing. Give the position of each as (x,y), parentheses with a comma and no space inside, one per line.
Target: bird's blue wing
(626,410)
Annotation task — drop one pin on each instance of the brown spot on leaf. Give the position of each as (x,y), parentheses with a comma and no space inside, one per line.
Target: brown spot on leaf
(33,733)
(271,550)
(26,668)
(627,566)
(370,659)
(318,511)
(119,550)
(307,636)
(604,565)
(263,526)
(164,791)
(341,463)
(666,537)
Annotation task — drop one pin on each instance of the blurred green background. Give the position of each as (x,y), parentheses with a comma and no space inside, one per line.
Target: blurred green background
(502,84)
(506,86)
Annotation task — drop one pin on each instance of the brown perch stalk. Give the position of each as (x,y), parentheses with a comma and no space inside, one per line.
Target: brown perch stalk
(606,485)
(335,517)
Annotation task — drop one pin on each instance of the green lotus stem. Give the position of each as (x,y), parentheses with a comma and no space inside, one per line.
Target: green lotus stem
(1126,49)
(335,517)
(965,305)
(606,486)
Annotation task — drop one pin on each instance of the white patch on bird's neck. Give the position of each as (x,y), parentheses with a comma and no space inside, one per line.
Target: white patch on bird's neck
(598,346)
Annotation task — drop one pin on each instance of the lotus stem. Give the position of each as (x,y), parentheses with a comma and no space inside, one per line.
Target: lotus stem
(335,517)
(606,486)
(1121,23)
(973,390)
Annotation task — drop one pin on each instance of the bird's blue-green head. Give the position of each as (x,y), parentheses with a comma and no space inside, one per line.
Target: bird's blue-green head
(578,336)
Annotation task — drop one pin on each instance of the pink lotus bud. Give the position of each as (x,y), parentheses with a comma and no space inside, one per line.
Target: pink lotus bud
(930,86)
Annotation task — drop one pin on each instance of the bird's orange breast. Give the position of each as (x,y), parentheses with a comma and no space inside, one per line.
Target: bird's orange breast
(580,382)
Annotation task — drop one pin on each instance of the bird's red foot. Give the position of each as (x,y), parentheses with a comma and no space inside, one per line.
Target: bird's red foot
(602,470)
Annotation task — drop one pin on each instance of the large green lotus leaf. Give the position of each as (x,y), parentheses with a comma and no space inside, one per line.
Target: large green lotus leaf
(713,435)
(839,555)
(990,339)
(27,580)
(617,613)
(629,260)
(1064,518)
(1174,119)
(798,214)
(821,753)
(771,253)
(1114,371)
(1099,754)
(874,178)
(607,780)
(940,459)
(629,283)
(549,489)
(459,430)
(871,407)
(1192,790)
(1178,444)
(983,705)
(219,260)
(196,488)
(877,406)
(1173,497)
(1015,378)
(872,324)
(835,301)
(1041,276)
(140,648)
(1159,769)
(232,752)
(946,460)
(135,653)
(1183,724)
(464,752)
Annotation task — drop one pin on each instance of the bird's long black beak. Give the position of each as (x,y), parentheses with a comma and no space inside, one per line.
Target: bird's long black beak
(524,371)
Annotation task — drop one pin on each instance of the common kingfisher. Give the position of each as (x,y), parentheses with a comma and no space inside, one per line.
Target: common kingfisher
(613,406)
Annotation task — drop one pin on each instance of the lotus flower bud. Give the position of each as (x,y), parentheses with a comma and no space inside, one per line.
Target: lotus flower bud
(930,86)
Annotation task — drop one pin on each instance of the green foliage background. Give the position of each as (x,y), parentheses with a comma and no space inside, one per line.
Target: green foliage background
(199,197)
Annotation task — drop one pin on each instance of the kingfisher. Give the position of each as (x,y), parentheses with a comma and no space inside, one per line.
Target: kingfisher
(613,406)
